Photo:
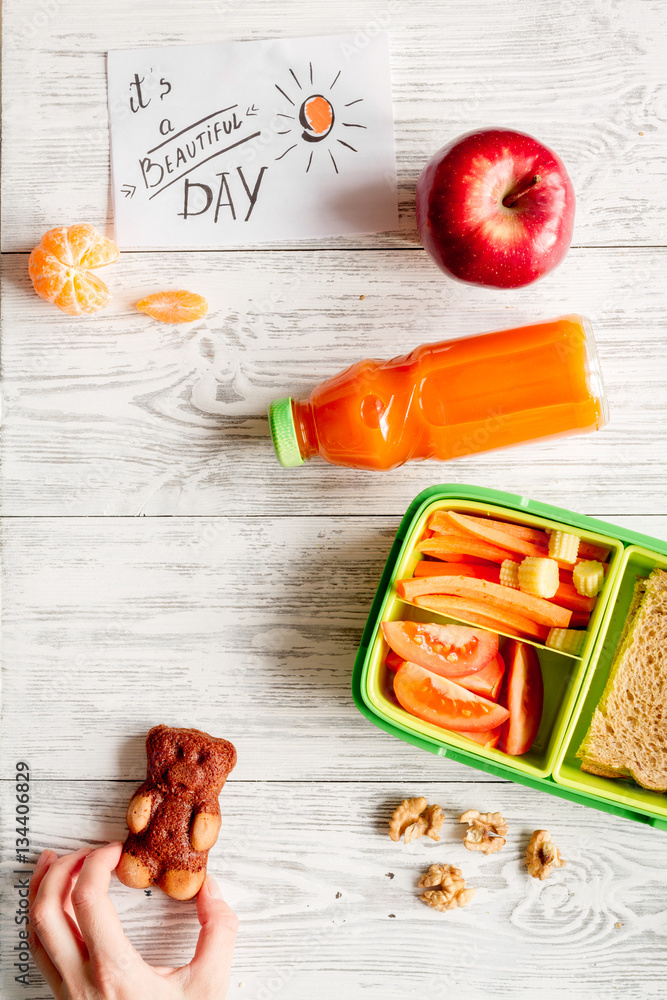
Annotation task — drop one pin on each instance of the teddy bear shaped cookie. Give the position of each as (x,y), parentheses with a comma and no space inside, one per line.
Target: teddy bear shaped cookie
(174,817)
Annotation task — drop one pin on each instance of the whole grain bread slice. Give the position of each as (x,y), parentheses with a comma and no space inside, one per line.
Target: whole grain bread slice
(628,733)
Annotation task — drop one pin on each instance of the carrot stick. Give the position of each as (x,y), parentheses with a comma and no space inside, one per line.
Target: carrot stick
(439,525)
(453,607)
(501,538)
(480,613)
(589,551)
(438,522)
(466,545)
(493,594)
(568,597)
(435,568)
(458,557)
(579,619)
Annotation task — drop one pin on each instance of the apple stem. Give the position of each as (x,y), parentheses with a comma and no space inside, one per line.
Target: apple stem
(511,199)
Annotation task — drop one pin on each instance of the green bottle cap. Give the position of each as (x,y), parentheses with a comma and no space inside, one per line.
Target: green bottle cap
(283,432)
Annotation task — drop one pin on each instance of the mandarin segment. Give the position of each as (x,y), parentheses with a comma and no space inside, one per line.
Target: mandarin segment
(174,307)
(97,250)
(66,299)
(58,268)
(55,242)
(47,273)
(90,292)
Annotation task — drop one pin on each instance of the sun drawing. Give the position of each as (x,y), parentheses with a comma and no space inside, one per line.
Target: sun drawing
(315,120)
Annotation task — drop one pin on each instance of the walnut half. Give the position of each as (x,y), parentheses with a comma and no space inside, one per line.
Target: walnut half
(486,831)
(541,855)
(415,818)
(445,888)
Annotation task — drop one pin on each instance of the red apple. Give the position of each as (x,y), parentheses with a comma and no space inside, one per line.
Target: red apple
(495,207)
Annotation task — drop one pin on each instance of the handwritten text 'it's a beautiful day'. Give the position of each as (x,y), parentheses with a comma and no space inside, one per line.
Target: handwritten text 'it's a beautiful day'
(181,152)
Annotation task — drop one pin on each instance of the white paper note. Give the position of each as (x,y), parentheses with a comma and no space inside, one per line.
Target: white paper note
(240,142)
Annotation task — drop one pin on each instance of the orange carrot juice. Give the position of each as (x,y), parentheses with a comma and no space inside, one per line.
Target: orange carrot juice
(449,399)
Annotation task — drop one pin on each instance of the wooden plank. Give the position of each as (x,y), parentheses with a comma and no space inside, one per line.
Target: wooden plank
(583,78)
(119,415)
(325,897)
(243,614)
(246,628)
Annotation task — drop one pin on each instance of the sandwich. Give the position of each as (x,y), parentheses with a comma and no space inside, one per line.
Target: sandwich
(627,737)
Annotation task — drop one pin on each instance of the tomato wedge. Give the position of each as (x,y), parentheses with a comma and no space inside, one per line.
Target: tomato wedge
(488,740)
(448,650)
(440,701)
(524,697)
(393,661)
(486,681)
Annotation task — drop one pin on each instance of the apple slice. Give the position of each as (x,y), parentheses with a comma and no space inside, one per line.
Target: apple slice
(523,696)
(443,703)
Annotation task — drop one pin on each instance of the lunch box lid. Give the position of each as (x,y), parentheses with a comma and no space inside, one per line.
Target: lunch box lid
(516,504)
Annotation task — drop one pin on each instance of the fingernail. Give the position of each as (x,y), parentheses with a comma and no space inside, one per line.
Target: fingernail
(213,887)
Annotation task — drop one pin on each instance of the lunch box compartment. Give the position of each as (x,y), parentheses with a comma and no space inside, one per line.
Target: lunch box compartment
(572,685)
(405,565)
(561,675)
(637,562)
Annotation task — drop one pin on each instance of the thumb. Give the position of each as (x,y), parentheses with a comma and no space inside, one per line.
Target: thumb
(215,947)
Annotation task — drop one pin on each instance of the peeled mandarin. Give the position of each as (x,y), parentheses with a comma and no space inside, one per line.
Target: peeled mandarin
(174,307)
(59,268)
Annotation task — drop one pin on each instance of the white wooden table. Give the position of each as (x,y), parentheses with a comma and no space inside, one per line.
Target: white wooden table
(159,566)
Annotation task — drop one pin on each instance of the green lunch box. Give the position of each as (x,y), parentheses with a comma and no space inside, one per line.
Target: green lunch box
(572,684)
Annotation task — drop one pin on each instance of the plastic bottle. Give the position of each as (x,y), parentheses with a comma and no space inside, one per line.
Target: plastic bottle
(449,399)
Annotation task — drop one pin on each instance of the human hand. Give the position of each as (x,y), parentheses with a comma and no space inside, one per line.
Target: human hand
(79,946)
